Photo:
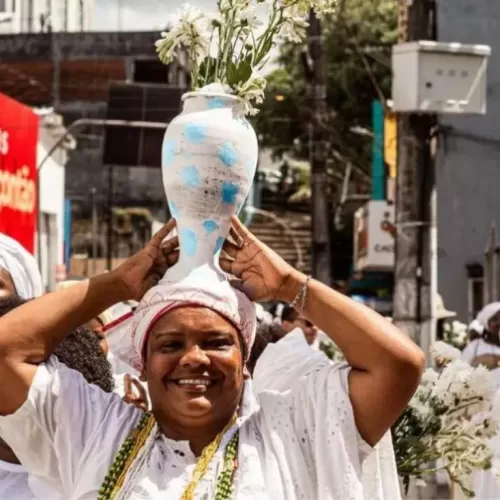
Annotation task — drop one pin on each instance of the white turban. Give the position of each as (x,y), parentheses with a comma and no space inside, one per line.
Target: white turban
(127,336)
(22,267)
(487,313)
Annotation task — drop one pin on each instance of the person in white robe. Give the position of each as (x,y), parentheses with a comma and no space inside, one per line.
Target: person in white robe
(209,435)
(127,385)
(19,276)
(79,351)
(19,272)
(485,350)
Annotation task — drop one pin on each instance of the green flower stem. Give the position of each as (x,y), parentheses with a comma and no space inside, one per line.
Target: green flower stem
(233,48)
(226,54)
(471,401)
(274,27)
(218,51)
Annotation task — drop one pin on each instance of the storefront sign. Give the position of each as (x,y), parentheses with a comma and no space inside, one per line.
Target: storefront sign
(374,237)
(18,171)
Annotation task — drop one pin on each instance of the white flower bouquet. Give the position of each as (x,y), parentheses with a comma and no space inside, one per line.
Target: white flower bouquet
(231,47)
(455,334)
(448,422)
(332,352)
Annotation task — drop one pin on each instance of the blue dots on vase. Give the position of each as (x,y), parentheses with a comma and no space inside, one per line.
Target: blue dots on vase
(218,244)
(228,192)
(216,103)
(189,241)
(174,211)
(228,154)
(168,152)
(210,226)
(190,176)
(195,133)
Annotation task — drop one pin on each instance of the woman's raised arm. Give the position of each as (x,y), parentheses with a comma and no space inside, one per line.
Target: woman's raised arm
(30,333)
(386,364)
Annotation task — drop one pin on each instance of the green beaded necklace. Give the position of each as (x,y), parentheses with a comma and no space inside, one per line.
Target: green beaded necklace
(225,486)
(114,478)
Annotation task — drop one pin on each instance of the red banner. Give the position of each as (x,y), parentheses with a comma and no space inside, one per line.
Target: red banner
(18,171)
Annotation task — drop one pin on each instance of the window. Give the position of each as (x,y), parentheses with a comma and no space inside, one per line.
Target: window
(3,5)
(150,71)
(475,289)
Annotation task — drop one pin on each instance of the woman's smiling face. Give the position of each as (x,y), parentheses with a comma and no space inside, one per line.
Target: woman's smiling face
(194,367)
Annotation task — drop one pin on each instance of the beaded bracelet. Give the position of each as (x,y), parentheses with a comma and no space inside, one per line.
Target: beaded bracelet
(301,296)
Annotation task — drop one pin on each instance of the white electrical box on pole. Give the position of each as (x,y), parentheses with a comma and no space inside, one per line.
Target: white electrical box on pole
(429,77)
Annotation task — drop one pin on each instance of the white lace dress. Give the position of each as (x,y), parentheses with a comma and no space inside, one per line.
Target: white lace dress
(298,444)
(15,484)
(275,370)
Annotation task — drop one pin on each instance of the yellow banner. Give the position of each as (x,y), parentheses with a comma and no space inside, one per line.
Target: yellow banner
(391,142)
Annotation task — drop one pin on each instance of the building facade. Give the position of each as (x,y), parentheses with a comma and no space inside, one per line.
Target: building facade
(44,16)
(50,248)
(76,73)
(468,164)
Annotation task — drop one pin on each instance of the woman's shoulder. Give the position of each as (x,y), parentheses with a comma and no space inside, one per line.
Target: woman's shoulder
(86,403)
(283,364)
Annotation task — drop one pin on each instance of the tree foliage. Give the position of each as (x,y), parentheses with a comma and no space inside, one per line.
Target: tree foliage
(357,47)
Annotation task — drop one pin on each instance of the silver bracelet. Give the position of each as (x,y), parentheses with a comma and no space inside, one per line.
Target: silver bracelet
(301,296)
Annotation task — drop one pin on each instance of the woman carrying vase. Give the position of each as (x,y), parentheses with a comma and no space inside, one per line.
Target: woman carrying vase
(209,436)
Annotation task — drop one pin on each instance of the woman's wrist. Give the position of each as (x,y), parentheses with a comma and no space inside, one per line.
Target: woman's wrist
(292,286)
(113,287)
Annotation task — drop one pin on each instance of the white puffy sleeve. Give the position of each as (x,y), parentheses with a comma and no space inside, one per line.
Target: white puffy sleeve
(472,350)
(67,432)
(314,394)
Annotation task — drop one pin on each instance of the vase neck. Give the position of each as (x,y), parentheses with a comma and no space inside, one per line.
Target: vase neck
(187,266)
(204,101)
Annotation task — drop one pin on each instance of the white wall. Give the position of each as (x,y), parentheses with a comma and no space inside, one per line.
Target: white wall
(65,15)
(52,178)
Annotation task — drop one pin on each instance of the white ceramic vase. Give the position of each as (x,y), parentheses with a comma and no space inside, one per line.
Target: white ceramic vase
(209,158)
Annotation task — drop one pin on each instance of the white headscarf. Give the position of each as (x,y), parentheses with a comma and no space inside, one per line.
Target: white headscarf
(480,324)
(204,287)
(21,266)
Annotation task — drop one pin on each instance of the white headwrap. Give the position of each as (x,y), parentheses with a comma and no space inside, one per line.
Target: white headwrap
(485,315)
(476,326)
(21,266)
(127,336)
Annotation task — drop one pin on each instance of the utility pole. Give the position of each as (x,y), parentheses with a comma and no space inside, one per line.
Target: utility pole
(320,202)
(414,294)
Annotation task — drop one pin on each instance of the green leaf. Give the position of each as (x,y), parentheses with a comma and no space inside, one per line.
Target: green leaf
(240,73)
(268,45)
(248,59)
(205,77)
(232,74)
(244,70)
